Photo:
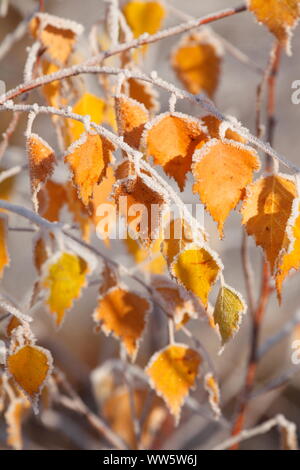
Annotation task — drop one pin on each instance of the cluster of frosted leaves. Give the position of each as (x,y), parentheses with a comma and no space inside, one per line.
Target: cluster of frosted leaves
(25,373)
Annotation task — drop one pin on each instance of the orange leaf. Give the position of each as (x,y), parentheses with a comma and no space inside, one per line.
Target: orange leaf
(57,35)
(266,211)
(172,372)
(150,258)
(4,256)
(144,93)
(30,366)
(131,118)
(85,158)
(171,140)
(221,171)
(177,234)
(289,258)
(13,416)
(213,126)
(279,16)
(52,198)
(104,220)
(197,62)
(41,161)
(123,313)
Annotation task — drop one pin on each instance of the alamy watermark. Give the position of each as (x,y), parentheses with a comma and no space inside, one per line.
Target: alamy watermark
(296,94)
(2,87)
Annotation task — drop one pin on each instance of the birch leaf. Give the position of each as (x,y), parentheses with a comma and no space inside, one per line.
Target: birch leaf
(64,276)
(131,118)
(290,258)
(196,268)
(123,313)
(221,172)
(228,312)
(171,140)
(144,17)
(41,161)
(85,158)
(279,16)
(266,211)
(172,373)
(57,35)
(30,366)
(212,388)
(197,62)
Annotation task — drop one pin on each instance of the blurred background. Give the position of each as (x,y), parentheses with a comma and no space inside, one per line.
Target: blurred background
(75,347)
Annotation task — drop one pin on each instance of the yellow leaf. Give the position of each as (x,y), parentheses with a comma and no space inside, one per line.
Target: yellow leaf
(196,268)
(87,105)
(64,276)
(30,366)
(144,17)
(41,161)
(177,234)
(228,312)
(212,388)
(289,258)
(151,260)
(124,314)
(266,211)
(85,158)
(222,170)
(171,140)
(172,372)
(4,256)
(56,34)
(279,16)
(197,62)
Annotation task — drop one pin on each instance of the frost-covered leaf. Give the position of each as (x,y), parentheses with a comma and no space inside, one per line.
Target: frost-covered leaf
(131,117)
(30,366)
(229,308)
(213,126)
(266,211)
(64,276)
(123,313)
(171,140)
(14,415)
(197,268)
(197,62)
(41,160)
(144,93)
(57,35)
(222,170)
(289,258)
(85,158)
(279,16)
(172,373)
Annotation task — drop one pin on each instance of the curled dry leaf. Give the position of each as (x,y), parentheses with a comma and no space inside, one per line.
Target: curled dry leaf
(289,258)
(123,313)
(4,256)
(174,299)
(64,276)
(279,16)
(172,373)
(144,17)
(197,268)
(266,211)
(197,62)
(30,366)
(171,140)
(212,388)
(41,160)
(228,311)
(131,118)
(85,158)
(222,170)
(57,35)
